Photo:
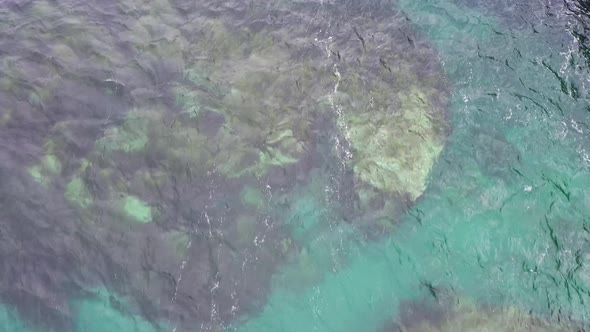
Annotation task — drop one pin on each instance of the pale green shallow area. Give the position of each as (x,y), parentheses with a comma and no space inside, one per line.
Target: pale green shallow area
(492,237)
(11,322)
(137,209)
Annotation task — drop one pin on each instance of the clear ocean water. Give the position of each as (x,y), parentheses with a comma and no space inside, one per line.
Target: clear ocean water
(294,165)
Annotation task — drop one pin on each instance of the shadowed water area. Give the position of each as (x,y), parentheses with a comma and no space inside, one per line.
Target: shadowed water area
(401,165)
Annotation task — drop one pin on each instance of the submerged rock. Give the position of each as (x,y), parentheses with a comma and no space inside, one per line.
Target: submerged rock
(467,316)
(394,152)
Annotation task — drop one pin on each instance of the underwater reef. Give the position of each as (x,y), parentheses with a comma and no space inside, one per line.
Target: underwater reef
(462,314)
(164,140)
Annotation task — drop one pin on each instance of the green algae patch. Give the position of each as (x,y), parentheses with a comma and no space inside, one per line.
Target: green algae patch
(5,117)
(147,132)
(123,140)
(103,313)
(130,138)
(137,209)
(268,113)
(133,135)
(264,127)
(36,174)
(49,167)
(51,164)
(77,193)
(188,100)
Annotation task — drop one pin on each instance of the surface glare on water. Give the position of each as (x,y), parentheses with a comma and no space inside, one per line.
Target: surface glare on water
(336,165)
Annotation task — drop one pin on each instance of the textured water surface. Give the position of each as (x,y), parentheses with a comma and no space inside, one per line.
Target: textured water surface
(179,165)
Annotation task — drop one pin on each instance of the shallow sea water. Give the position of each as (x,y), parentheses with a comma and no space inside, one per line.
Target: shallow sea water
(337,165)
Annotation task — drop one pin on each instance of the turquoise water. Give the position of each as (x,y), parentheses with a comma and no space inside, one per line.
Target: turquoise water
(505,217)
(503,224)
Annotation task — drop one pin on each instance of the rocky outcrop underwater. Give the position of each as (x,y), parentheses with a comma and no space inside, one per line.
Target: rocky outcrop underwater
(154,148)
